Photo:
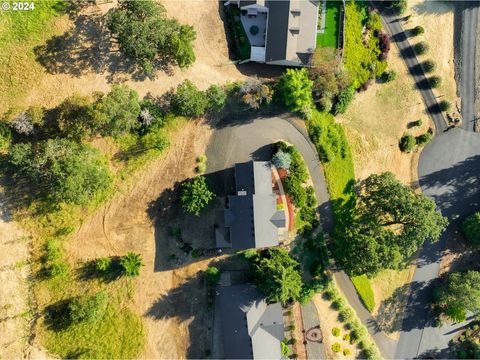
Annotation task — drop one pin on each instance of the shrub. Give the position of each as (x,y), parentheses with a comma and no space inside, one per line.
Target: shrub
(428,66)
(201,159)
(346,337)
(285,349)
(398,6)
(57,270)
(282,160)
(294,188)
(131,264)
(336,331)
(417,30)
(254,93)
(201,168)
(423,139)
(325,104)
(336,347)
(52,250)
(407,143)
(343,99)
(295,89)
(421,48)
(188,100)
(444,105)
(154,139)
(212,275)
(316,268)
(195,195)
(435,81)
(346,315)
(103,264)
(88,308)
(292,327)
(216,97)
(5,135)
(338,304)
(471,228)
(293,341)
(389,76)
(416,123)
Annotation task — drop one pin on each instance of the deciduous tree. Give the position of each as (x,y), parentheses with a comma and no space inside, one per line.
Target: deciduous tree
(195,195)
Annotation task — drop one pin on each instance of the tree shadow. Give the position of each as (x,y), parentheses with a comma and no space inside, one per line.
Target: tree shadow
(389,317)
(434,7)
(89,271)
(417,312)
(57,315)
(192,302)
(88,48)
(182,238)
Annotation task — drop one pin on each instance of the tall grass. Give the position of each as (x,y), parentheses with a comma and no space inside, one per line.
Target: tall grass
(364,289)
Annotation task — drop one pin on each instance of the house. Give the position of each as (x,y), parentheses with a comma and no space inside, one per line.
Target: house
(280,32)
(251,219)
(246,327)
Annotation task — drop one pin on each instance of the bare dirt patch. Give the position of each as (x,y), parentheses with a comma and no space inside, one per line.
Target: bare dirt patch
(170,295)
(437,17)
(83,59)
(377,119)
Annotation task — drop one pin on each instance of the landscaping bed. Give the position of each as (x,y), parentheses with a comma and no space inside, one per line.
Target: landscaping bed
(239,42)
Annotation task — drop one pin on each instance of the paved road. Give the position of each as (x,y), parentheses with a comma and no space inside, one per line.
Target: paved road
(447,170)
(467,89)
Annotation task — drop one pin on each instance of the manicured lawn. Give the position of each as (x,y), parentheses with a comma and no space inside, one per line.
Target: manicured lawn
(329,38)
(364,290)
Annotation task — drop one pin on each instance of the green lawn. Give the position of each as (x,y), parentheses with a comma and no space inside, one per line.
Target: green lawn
(20,32)
(329,39)
(364,290)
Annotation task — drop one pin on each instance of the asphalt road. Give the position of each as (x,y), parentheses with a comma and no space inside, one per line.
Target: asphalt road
(467,89)
(448,173)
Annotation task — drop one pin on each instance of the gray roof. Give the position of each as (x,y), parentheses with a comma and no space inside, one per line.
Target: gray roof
(276,48)
(252,215)
(247,326)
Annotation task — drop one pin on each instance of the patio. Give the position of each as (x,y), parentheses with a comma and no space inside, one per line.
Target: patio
(258,20)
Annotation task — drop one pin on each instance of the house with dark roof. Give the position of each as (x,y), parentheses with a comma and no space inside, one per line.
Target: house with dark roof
(251,218)
(246,327)
(280,32)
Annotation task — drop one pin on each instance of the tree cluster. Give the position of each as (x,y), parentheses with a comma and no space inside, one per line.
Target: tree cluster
(61,169)
(145,34)
(391,223)
(459,293)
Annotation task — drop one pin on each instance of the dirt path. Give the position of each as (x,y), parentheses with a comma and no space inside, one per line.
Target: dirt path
(171,299)
(15,312)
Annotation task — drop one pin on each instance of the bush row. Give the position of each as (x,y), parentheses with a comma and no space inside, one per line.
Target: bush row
(358,332)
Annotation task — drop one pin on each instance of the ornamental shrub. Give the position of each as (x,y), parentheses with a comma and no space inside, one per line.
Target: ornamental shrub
(336,347)
(407,143)
(435,81)
(428,66)
(417,30)
(421,48)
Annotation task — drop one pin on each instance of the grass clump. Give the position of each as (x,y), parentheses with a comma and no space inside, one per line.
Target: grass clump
(364,290)
(118,335)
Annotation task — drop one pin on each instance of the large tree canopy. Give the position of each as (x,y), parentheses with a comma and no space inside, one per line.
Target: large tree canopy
(195,195)
(276,275)
(116,112)
(62,169)
(295,88)
(460,293)
(390,225)
(144,34)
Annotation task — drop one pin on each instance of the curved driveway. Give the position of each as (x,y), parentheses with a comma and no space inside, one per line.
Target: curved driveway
(236,141)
